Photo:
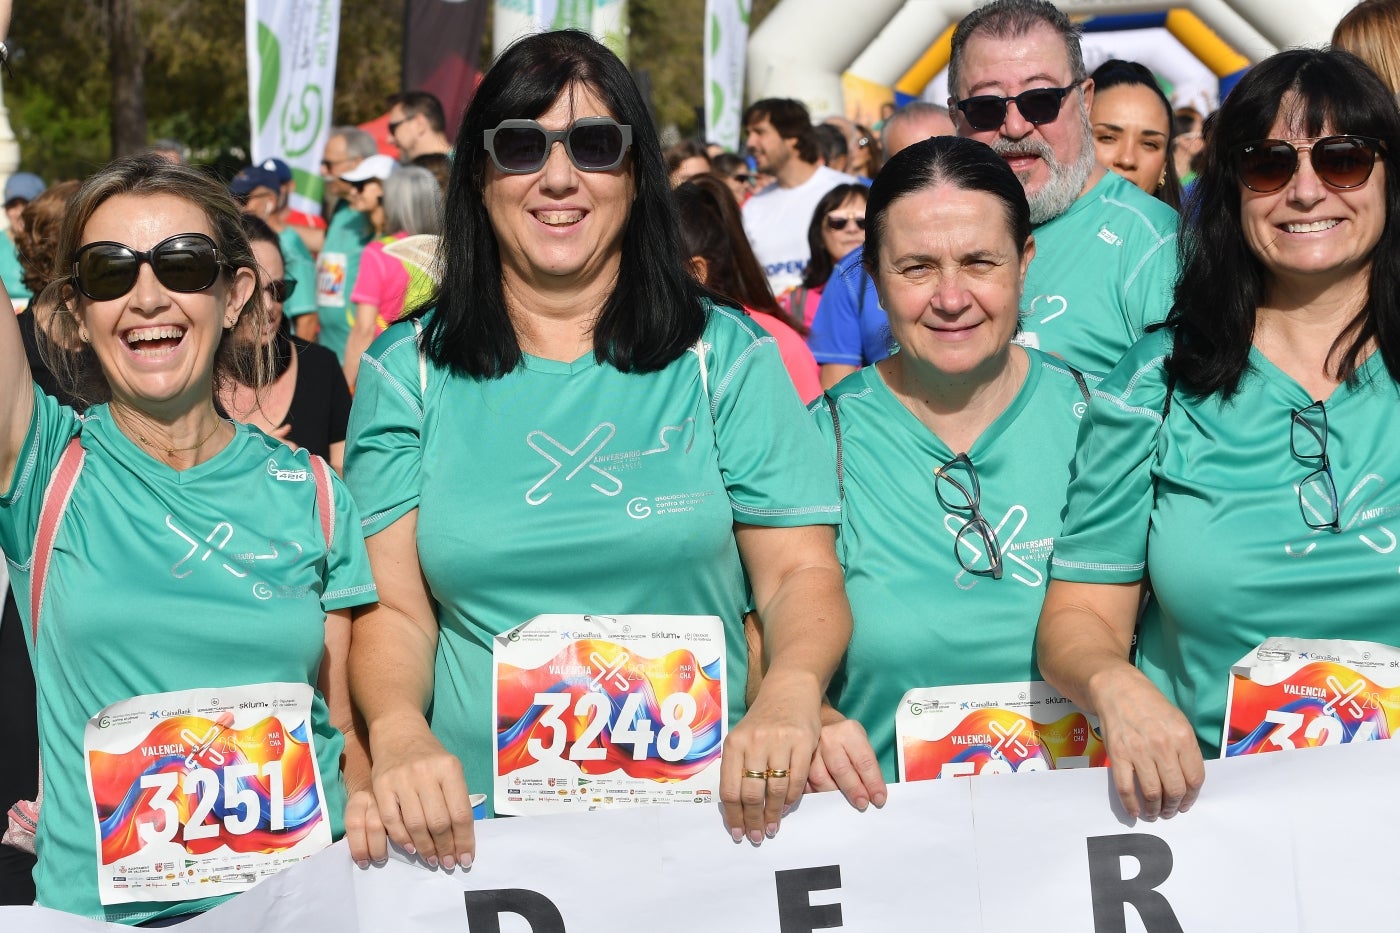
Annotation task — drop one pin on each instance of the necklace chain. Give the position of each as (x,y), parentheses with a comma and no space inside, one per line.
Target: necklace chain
(172,451)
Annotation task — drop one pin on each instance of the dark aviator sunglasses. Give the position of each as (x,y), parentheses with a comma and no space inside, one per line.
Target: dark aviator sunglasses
(1266,165)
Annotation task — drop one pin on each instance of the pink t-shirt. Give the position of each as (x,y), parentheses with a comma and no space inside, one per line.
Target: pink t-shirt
(800,363)
(811,297)
(382,282)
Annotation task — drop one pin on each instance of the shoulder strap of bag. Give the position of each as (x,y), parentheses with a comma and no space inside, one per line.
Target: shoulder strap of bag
(325,498)
(836,429)
(56,497)
(1079,378)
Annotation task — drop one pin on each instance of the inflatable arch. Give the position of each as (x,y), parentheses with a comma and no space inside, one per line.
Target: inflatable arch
(841,57)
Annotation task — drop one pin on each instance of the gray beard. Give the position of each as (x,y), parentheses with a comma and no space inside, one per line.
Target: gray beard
(1066,181)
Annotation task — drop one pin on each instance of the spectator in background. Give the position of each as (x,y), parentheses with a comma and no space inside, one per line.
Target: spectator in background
(734,171)
(685,160)
(831,144)
(1371,31)
(20,189)
(886,111)
(439,164)
(411,205)
(1187,143)
(865,158)
(345,239)
(171,150)
(1132,123)
(285,211)
(837,229)
(417,125)
(779,136)
(258,191)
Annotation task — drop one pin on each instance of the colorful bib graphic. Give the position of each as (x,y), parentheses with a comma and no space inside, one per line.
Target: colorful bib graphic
(203,792)
(331,272)
(605,711)
(1291,693)
(992,729)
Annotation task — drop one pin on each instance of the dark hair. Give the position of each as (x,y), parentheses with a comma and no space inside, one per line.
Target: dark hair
(655,311)
(873,147)
(1115,73)
(820,265)
(439,164)
(1222,281)
(687,149)
(831,142)
(37,241)
(257,231)
(713,229)
(73,361)
(727,165)
(421,102)
(965,164)
(791,120)
(1007,19)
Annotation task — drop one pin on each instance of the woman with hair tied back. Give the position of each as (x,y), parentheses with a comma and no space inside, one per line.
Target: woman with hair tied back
(1243,456)
(1134,128)
(579,432)
(712,234)
(186,581)
(953,454)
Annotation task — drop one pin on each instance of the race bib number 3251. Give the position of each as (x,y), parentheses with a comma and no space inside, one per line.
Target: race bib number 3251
(600,711)
(203,792)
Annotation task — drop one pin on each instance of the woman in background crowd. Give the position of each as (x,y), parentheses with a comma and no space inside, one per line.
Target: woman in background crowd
(836,228)
(1133,128)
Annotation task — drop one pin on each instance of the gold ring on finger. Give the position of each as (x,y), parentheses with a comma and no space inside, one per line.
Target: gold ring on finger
(777,772)
(761,775)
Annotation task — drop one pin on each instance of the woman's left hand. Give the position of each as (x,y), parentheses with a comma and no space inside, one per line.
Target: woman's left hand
(767,756)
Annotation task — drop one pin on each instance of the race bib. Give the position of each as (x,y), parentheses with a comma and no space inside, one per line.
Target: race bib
(331,272)
(203,792)
(604,711)
(1292,693)
(992,729)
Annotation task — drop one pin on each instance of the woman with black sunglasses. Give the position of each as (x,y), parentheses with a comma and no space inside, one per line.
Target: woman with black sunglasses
(1243,457)
(954,458)
(836,228)
(581,432)
(185,581)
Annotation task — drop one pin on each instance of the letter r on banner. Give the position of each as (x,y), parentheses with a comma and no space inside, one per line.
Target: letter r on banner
(484,909)
(796,912)
(1111,892)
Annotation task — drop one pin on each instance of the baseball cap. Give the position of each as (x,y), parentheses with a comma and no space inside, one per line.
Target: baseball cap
(251,178)
(283,170)
(23,186)
(375,166)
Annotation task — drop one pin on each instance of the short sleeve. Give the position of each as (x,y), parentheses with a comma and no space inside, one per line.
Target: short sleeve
(300,266)
(1148,290)
(51,427)
(383,451)
(835,336)
(1104,539)
(348,581)
(776,468)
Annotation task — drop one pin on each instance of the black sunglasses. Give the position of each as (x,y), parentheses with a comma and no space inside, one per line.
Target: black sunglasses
(395,124)
(1036,106)
(594,144)
(185,262)
(362,183)
(279,290)
(1266,165)
(838,221)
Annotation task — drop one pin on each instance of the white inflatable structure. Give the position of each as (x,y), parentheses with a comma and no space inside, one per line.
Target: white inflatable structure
(825,52)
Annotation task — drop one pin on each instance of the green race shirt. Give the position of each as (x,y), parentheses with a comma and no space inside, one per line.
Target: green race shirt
(336,268)
(300,266)
(1208,503)
(921,620)
(166,580)
(1103,270)
(11,272)
(576,488)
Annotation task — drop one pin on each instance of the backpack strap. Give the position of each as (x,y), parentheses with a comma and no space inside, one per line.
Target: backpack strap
(836,429)
(325,498)
(1079,378)
(65,477)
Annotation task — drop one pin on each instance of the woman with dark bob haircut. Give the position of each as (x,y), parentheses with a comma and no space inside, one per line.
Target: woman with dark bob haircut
(580,430)
(1243,457)
(954,453)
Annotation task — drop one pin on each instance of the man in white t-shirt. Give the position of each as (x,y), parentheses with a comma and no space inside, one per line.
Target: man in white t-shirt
(778,134)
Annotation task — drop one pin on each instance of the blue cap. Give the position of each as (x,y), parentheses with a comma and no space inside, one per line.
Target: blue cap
(251,178)
(23,186)
(282,169)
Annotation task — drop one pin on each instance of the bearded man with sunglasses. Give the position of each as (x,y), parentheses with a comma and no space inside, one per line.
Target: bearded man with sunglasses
(1105,251)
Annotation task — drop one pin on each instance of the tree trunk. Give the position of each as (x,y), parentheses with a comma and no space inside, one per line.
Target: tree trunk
(128,55)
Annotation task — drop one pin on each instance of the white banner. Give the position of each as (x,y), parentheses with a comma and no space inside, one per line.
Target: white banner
(726,50)
(291,87)
(1289,842)
(604,19)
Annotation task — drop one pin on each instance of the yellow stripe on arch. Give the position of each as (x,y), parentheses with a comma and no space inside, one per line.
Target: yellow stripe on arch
(1201,41)
(913,81)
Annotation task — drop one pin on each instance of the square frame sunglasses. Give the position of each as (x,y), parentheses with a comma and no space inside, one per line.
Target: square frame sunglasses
(186,263)
(1037,106)
(593,144)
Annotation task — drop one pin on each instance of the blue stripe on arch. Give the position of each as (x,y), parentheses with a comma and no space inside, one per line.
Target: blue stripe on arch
(1125,21)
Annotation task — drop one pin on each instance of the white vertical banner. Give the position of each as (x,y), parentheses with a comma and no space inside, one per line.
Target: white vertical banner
(726,47)
(604,19)
(291,87)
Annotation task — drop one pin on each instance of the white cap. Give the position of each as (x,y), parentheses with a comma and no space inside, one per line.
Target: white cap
(376,166)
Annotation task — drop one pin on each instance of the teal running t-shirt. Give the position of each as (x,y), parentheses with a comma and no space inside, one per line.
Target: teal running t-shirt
(576,488)
(921,620)
(1208,504)
(336,268)
(300,266)
(12,273)
(164,580)
(1103,271)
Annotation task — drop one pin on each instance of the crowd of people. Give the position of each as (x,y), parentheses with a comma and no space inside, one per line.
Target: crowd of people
(1052,382)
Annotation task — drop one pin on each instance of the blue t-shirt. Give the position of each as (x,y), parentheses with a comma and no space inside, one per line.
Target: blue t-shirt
(850,327)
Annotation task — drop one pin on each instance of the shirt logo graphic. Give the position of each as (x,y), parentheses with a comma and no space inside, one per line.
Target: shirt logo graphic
(576,460)
(1109,237)
(238,565)
(1011,525)
(1357,504)
(1055,305)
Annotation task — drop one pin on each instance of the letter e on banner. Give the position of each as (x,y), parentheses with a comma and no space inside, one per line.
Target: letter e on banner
(1111,892)
(796,912)
(484,909)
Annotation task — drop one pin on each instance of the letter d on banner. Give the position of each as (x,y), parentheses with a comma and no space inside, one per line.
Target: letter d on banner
(484,909)
(1111,892)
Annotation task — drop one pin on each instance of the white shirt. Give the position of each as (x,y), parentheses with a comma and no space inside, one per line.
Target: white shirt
(776,220)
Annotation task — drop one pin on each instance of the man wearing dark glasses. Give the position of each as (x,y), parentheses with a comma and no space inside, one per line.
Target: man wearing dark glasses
(417,125)
(349,231)
(1105,252)
(258,191)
